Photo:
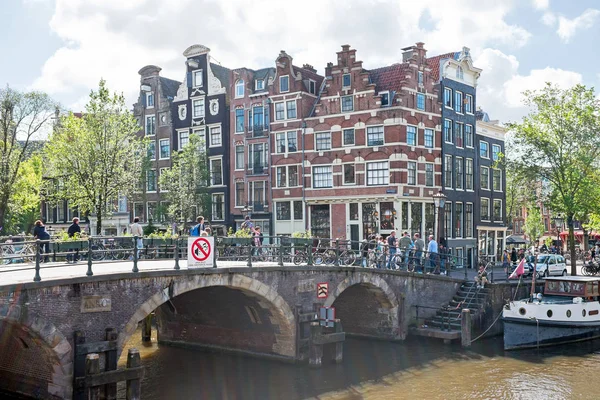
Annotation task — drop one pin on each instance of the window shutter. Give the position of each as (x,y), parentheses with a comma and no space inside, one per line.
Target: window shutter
(189,80)
(144,99)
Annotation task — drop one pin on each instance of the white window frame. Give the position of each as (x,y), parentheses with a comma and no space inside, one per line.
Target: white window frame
(278,204)
(155,181)
(493,217)
(416,140)
(481,167)
(496,146)
(281,183)
(448,172)
(295,109)
(200,132)
(210,128)
(432,132)
(415,169)
(319,134)
(213,214)
(460,104)
(235,119)
(467,226)
(328,180)
(152,143)
(451,131)
(263,200)
(342,103)
(240,88)
(148,216)
(344,174)
(202,107)
(235,159)
(260,86)
(472,180)
(458,124)
(195,74)
(469,98)
(487,152)
(349,85)
(210,167)
(242,200)
(312,86)
(287,77)
(150,95)
(160,157)
(500,172)
(420,77)
(446,91)
(420,95)
(386,92)
(472,136)
(459,161)
(488,209)
(382,135)
(432,165)
(179,132)
(146,125)
(386,176)
(462,220)
(344,137)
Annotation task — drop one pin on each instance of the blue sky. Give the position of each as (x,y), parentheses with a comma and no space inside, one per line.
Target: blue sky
(64,47)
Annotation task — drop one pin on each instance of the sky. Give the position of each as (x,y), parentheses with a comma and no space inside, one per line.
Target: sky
(64,47)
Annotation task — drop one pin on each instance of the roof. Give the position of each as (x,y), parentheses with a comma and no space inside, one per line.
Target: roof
(308,74)
(434,63)
(573,278)
(390,77)
(221,73)
(169,87)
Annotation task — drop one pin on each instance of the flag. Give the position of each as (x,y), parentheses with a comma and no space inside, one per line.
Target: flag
(520,270)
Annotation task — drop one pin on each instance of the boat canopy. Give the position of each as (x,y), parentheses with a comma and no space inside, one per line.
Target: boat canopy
(574,286)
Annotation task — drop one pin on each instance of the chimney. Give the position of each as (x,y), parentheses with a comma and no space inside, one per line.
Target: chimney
(328,69)
(149,70)
(309,67)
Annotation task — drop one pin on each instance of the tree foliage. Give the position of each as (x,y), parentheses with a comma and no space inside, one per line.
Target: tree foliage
(560,148)
(185,184)
(534,226)
(22,117)
(24,204)
(97,157)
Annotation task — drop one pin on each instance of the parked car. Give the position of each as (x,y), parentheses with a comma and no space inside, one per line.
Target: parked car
(550,264)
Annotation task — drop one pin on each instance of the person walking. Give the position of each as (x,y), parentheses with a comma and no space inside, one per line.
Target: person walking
(198,228)
(405,245)
(39,232)
(137,231)
(392,242)
(419,246)
(432,249)
(72,231)
(513,257)
(505,263)
(248,225)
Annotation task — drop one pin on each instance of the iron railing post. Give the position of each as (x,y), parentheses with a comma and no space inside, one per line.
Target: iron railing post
(337,252)
(37,276)
(89,258)
(216,252)
(135,255)
(177,253)
(309,255)
(465,268)
(249,265)
(492,269)
(280,261)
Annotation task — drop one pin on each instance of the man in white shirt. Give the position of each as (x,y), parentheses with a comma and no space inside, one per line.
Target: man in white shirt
(432,249)
(136,230)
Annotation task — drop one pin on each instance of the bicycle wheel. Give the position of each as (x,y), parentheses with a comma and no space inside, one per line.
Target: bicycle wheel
(28,254)
(585,271)
(300,257)
(348,258)
(98,253)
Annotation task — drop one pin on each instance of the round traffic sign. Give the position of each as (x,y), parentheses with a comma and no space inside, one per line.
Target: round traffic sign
(201,249)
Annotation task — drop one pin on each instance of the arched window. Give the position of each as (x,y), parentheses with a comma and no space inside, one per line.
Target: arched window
(239,88)
(459,73)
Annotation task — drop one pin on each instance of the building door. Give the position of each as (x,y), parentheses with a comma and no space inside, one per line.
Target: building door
(320,222)
(354,236)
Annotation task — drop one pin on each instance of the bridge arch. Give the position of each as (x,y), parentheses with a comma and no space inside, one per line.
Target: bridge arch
(35,357)
(279,313)
(367,306)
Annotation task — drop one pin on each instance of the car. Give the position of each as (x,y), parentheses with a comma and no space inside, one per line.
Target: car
(550,264)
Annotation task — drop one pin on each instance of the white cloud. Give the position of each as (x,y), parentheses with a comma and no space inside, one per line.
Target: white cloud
(541,4)
(113,39)
(549,18)
(568,27)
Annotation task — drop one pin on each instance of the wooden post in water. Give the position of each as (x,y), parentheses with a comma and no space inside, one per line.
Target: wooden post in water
(133,385)
(147,328)
(339,346)
(315,350)
(110,362)
(92,367)
(465,328)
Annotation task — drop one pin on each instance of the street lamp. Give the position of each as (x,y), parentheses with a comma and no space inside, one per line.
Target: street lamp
(439,199)
(246,210)
(558,223)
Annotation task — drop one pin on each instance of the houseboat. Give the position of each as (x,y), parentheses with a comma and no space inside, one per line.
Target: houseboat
(568,311)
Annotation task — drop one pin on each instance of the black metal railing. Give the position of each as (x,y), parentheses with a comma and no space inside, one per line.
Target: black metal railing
(257,131)
(256,169)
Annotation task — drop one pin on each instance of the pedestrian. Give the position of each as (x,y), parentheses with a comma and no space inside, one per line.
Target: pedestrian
(247,224)
(39,232)
(513,257)
(198,228)
(405,245)
(73,231)
(505,263)
(364,252)
(137,231)
(380,252)
(432,249)
(442,255)
(392,242)
(258,240)
(419,246)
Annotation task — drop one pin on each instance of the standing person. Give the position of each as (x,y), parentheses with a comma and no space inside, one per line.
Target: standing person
(405,245)
(432,249)
(419,246)
(136,230)
(258,240)
(505,263)
(392,242)
(247,224)
(364,252)
(39,232)
(74,229)
(513,257)
(198,228)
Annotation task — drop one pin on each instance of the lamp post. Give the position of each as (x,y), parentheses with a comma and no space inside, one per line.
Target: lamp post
(439,200)
(558,223)
(246,210)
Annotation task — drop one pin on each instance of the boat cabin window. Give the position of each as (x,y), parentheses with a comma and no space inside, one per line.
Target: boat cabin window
(565,288)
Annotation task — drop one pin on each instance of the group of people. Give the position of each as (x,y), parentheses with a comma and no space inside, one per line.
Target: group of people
(40,232)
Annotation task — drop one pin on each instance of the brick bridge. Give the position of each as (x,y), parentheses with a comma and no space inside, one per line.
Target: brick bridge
(253,310)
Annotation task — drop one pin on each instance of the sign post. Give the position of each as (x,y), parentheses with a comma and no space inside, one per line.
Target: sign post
(201,252)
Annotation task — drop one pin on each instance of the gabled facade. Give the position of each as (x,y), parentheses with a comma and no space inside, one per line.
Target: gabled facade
(457,79)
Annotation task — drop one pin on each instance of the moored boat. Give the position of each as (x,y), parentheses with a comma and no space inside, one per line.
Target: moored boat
(568,311)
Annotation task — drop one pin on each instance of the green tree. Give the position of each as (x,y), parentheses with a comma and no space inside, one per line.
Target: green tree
(24,205)
(560,147)
(185,183)
(534,226)
(23,116)
(97,157)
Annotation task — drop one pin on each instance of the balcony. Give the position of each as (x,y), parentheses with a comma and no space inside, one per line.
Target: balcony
(259,206)
(256,169)
(257,131)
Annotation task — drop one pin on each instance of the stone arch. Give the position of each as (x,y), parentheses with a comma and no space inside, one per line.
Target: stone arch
(282,314)
(55,347)
(374,292)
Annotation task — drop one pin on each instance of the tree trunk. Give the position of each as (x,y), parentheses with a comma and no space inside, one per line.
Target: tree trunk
(585,239)
(572,245)
(98,221)
(3,214)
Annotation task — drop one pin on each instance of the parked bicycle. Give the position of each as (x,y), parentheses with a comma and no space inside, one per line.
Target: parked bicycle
(17,252)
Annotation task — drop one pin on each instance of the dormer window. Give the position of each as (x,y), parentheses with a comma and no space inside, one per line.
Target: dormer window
(459,73)
(149,99)
(420,77)
(346,81)
(385,99)
(198,80)
(239,88)
(260,84)
(284,84)
(312,86)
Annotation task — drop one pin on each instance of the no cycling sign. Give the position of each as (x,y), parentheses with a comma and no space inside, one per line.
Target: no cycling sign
(200,251)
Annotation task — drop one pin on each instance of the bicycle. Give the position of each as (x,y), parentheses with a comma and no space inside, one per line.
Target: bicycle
(27,253)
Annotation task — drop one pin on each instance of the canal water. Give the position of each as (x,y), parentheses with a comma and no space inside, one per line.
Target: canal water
(415,369)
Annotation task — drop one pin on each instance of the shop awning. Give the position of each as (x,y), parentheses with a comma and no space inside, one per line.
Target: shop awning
(515,239)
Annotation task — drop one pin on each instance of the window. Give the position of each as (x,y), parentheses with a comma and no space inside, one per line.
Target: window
(312,87)
(284,84)
(298,210)
(458,102)
(346,81)
(347,103)
(258,120)
(218,207)
(152,150)
(240,194)
(286,141)
(184,138)
(283,211)
(292,141)
(197,78)
(385,98)
(200,132)
(412,173)
(484,177)
(498,210)
(281,177)
(448,220)
(495,152)
(258,192)
(198,108)
(151,210)
(216,171)
(257,157)
(291,109)
(469,220)
(349,174)
(239,120)
(378,173)
(239,157)
(279,111)
(448,172)
(429,138)
(429,174)
(448,131)
(469,104)
(260,84)
(458,220)
(459,172)
(287,176)
(375,136)
(411,135)
(215,136)
(323,141)
(292,175)
(459,73)
(459,133)
(151,180)
(497,179)
(420,101)
(448,97)
(469,135)
(150,125)
(348,139)
(149,99)
(165,148)
(484,149)
(420,77)
(322,177)
(239,88)
(469,174)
